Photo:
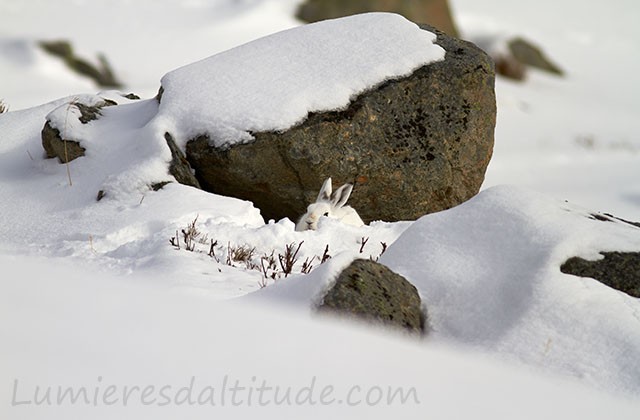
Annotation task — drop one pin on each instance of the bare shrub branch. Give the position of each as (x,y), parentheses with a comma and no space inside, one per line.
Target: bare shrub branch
(175,241)
(306,265)
(384,248)
(325,255)
(212,250)
(289,258)
(272,266)
(190,234)
(363,242)
(243,253)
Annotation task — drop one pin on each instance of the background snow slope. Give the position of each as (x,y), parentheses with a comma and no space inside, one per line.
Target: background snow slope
(575,137)
(143,40)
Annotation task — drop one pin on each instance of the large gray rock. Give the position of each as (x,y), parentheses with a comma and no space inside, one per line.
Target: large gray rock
(411,146)
(370,291)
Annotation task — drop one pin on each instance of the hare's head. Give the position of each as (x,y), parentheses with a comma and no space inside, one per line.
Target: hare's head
(327,204)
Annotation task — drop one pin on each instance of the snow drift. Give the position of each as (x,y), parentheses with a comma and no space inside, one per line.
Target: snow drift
(489,274)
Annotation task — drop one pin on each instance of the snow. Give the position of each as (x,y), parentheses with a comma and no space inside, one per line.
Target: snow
(273,83)
(94,289)
(159,36)
(48,78)
(494,283)
(103,333)
(574,137)
(488,272)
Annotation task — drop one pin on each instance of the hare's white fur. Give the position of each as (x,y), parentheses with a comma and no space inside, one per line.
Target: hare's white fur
(330,205)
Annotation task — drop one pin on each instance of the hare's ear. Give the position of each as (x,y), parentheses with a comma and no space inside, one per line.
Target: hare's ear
(325,191)
(341,195)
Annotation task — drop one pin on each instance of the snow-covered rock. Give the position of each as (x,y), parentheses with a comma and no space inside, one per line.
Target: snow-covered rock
(274,82)
(417,143)
(63,131)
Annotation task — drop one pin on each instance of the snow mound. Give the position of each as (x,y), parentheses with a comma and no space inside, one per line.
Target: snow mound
(129,349)
(274,82)
(489,273)
(127,152)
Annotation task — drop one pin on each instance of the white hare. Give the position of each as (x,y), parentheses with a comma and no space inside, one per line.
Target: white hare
(330,205)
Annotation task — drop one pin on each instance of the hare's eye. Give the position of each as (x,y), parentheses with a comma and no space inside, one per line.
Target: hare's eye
(326,214)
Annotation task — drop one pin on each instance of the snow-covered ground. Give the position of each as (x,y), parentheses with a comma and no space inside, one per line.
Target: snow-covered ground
(94,294)
(136,351)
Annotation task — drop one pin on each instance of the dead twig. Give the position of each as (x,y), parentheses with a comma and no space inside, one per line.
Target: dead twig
(175,241)
(190,234)
(212,250)
(325,255)
(363,242)
(290,257)
(306,265)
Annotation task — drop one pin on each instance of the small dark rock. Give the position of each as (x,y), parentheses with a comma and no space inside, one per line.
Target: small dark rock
(159,185)
(619,270)
(370,291)
(101,74)
(131,96)
(607,217)
(59,48)
(508,66)
(159,94)
(636,224)
(92,112)
(600,217)
(67,150)
(514,56)
(55,146)
(529,54)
